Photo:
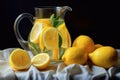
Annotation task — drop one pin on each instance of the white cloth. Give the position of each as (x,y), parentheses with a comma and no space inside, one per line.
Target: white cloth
(57,72)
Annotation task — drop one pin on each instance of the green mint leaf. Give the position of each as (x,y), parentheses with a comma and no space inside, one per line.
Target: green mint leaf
(52,19)
(35,47)
(55,21)
(59,23)
(62,50)
(52,16)
(60,41)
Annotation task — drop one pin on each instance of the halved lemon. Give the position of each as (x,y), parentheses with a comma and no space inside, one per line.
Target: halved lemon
(35,32)
(19,59)
(51,38)
(41,61)
(65,35)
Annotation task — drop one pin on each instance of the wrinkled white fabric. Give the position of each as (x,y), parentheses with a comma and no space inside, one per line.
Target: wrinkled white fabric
(57,72)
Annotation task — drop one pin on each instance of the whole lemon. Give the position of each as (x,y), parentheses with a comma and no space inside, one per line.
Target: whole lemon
(74,55)
(105,56)
(84,42)
(98,46)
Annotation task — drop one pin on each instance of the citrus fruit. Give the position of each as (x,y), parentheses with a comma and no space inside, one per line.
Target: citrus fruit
(41,43)
(105,56)
(51,38)
(55,54)
(65,35)
(74,55)
(39,24)
(19,59)
(41,61)
(35,32)
(98,46)
(84,42)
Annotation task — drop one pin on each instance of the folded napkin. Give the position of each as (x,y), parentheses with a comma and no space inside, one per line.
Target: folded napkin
(57,72)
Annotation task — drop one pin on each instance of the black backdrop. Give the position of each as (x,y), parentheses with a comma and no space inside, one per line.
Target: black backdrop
(99,20)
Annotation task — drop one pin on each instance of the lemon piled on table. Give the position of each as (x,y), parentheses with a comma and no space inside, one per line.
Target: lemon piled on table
(74,55)
(98,46)
(84,49)
(84,42)
(19,59)
(105,56)
(79,51)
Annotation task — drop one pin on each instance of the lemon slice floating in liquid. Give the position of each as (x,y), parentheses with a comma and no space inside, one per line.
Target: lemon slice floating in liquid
(51,38)
(35,32)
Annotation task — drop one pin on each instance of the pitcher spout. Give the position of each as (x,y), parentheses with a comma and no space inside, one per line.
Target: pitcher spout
(61,11)
(67,8)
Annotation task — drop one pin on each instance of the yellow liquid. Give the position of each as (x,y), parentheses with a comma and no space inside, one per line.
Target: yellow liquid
(39,46)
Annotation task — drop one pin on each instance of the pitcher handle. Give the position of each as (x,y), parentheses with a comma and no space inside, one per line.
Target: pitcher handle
(23,43)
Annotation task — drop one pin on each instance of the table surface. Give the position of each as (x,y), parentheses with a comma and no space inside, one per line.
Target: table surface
(56,72)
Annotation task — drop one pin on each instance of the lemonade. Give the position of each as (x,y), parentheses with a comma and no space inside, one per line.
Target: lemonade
(49,36)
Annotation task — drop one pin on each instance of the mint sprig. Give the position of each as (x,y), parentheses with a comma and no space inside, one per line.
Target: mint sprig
(34,47)
(55,21)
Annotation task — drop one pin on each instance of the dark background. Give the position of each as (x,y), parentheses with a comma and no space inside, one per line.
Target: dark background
(99,20)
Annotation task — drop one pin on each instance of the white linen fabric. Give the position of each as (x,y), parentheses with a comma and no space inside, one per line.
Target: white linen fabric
(57,72)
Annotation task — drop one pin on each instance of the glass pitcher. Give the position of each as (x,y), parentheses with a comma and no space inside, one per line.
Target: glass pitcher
(49,33)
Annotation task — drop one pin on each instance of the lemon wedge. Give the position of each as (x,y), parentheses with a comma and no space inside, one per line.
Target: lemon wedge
(19,59)
(41,61)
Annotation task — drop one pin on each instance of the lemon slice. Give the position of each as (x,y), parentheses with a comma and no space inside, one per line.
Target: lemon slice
(41,61)
(35,32)
(41,43)
(65,35)
(19,59)
(51,38)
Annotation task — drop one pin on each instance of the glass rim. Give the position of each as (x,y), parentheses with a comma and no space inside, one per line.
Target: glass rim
(48,7)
